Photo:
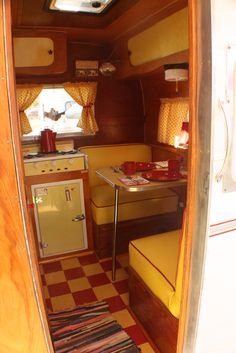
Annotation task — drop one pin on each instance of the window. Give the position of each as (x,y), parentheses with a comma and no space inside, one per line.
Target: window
(55,109)
(173,112)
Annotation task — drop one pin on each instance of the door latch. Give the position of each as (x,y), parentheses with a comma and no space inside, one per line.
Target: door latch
(79,218)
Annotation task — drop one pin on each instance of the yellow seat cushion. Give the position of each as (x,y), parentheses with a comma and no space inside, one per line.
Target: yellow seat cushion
(155,259)
(131,205)
(113,155)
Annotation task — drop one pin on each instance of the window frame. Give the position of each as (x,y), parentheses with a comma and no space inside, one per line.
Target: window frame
(25,139)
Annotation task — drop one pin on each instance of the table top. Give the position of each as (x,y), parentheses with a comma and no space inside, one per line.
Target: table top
(112,177)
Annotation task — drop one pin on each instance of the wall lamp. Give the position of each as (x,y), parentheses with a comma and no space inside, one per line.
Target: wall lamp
(176,73)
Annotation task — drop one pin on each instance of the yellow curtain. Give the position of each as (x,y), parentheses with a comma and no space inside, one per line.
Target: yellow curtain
(26,95)
(172,113)
(84,93)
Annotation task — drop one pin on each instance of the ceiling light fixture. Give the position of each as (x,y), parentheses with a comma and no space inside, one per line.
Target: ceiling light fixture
(176,73)
(86,6)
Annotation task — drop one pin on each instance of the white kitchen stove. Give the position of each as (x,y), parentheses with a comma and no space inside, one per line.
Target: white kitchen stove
(57,200)
(48,163)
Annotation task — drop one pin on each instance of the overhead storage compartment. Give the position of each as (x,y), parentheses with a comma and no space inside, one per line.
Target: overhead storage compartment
(168,36)
(39,52)
(33,52)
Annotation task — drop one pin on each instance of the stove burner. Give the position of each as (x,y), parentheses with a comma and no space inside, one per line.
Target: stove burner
(44,154)
(33,155)
(67,152)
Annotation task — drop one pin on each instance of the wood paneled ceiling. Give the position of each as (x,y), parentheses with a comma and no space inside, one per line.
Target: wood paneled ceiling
(124,18)
(35,13)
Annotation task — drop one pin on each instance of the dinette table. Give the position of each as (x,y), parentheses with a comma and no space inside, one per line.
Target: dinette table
(112,176)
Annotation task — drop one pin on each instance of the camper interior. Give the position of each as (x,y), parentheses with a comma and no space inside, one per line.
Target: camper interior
(102,96)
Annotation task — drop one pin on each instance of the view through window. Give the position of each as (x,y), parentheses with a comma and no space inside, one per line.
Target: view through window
(55,109)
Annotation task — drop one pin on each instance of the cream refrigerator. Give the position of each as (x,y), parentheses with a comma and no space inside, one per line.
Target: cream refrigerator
(60,217)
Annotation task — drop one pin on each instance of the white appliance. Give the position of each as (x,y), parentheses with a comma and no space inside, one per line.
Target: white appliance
(59,208)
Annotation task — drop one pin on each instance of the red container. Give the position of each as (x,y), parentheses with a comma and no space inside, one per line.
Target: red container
(173,166)
(129,167)
(48,141)
(185,126)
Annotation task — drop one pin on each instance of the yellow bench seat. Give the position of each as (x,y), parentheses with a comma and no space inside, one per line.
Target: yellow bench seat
(113,155)
(156,260)
(131,205)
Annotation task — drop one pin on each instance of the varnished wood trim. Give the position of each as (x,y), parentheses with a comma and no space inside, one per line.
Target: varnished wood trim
(25,328)
(87,35)
(126,70)
(157,320)
(149,339)
(199,162)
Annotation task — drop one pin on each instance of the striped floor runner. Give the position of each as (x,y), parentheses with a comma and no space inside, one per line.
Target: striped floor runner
(89,328)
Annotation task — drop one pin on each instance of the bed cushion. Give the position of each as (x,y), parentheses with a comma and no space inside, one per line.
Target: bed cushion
(131,205)
(155,259)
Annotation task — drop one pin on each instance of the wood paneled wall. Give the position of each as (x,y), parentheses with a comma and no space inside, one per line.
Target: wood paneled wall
(154,88)
(118,112)
(75,51)
(118,108)
(119,105)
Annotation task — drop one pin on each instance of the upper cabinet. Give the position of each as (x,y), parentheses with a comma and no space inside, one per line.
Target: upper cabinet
(39,52)
(161,40)
(167,37)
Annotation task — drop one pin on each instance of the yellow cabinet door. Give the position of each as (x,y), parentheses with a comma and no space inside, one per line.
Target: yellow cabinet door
(60,217)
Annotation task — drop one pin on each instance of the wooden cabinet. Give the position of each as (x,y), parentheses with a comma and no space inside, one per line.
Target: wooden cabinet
(39,52)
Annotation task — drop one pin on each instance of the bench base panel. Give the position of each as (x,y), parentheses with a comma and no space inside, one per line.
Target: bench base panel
(156,319)
(129,230)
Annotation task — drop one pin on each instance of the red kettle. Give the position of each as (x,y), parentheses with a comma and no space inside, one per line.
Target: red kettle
(48,141)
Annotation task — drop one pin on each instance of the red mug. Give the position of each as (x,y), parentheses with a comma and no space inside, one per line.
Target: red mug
(173,166)
(129,167)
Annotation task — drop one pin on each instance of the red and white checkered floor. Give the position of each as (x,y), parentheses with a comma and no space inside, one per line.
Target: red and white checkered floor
(83,279)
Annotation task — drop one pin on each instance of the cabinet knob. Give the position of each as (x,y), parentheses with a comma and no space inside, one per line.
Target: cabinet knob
(43,245)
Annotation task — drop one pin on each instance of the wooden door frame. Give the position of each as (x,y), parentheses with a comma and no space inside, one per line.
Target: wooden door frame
(23,323)
(22,300)
(199,169)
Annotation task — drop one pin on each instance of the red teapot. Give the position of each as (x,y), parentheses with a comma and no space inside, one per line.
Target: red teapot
(48,141)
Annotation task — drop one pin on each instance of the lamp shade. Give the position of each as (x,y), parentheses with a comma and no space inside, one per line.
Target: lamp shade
(176,75)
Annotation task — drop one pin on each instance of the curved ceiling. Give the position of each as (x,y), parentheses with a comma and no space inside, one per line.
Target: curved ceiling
(124,18)
(35,13)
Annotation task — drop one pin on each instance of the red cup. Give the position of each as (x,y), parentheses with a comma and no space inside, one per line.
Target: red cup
(129,167)
(173,166)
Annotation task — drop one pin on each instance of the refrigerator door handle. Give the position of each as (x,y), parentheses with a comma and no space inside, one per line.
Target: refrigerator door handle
(78,218)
